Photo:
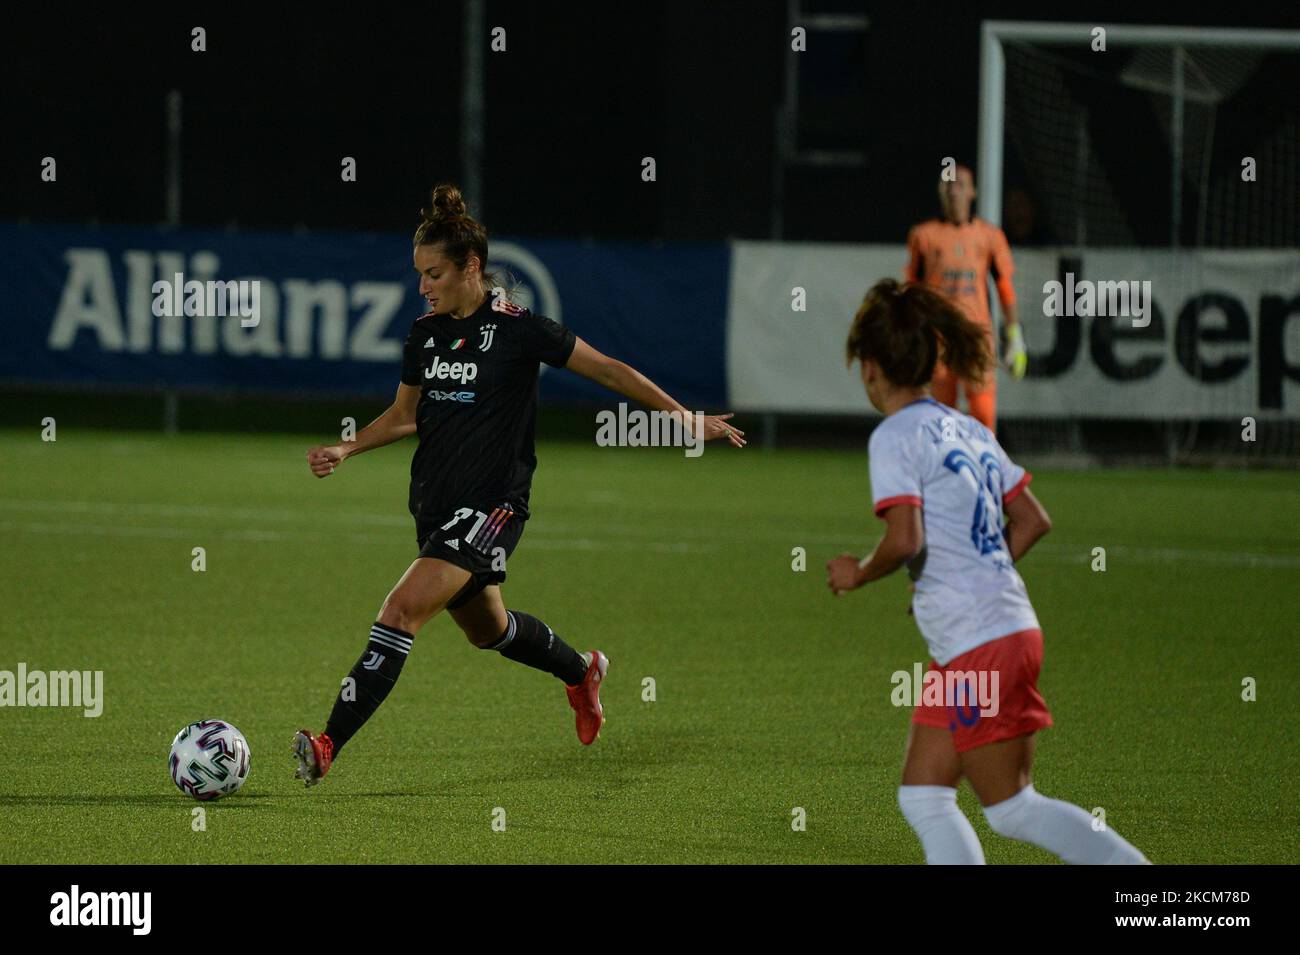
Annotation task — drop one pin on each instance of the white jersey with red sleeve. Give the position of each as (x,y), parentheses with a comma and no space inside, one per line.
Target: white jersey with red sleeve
(930,456)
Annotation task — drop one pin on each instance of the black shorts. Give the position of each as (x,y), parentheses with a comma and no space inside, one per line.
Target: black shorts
(479,538)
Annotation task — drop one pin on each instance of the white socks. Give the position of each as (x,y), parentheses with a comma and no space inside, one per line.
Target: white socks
(1061,828)
(946,834)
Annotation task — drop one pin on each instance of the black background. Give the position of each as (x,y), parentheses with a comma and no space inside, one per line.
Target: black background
(584,91)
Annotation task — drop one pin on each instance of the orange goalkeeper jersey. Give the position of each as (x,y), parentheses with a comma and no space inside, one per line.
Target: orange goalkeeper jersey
(958,259)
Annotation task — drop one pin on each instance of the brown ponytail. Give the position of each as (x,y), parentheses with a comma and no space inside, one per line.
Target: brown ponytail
(907,328)
(447,223)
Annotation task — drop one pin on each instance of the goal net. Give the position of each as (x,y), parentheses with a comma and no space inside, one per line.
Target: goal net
(1168,156)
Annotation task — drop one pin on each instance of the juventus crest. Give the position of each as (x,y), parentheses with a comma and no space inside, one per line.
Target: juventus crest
(487,332)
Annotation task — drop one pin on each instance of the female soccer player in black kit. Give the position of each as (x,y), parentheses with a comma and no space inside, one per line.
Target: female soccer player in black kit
(469,390)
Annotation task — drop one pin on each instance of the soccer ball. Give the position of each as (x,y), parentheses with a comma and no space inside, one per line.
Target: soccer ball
(209,759)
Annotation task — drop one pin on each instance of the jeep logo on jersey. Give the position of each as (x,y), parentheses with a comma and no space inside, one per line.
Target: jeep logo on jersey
(462,371)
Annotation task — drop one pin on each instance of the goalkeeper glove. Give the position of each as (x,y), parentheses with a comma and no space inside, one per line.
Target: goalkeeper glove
(1014,356)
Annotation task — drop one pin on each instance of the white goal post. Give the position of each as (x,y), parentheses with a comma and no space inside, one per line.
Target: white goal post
(995,33)
(1169,155)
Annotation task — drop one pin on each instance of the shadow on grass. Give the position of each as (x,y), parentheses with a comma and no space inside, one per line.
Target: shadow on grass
(388,795)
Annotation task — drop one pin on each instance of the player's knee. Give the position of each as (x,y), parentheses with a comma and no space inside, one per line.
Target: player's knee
(1012,817)
(402,614)
(481,638)
(921,805)
(489,633)
(1001,825)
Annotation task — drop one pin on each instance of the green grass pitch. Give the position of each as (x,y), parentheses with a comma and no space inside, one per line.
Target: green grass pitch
(770,694)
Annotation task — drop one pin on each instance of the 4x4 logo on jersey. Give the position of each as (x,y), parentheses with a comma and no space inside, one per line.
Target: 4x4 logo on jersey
(487,332)
(462,371)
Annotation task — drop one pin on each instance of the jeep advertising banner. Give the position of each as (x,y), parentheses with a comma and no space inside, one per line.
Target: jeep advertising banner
(1220,337)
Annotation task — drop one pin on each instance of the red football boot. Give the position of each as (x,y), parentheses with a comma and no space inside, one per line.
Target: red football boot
(315,755)
(585,699)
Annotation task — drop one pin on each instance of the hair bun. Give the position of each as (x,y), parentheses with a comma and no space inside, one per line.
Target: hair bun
(446,202)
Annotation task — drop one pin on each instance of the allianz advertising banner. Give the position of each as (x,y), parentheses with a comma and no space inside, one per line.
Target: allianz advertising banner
(1194,334)
(272,312)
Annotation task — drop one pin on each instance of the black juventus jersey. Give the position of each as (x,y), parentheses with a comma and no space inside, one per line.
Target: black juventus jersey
(478,404)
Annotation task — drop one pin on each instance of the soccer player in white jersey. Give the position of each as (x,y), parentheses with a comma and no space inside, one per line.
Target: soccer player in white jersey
(941,483)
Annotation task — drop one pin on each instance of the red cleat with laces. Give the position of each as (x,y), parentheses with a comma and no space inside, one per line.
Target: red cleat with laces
(315,754)
(585,698)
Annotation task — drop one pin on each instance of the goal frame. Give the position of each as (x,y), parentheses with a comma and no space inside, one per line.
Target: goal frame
(992,108)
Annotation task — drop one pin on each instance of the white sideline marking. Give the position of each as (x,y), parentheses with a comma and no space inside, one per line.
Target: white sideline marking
(198,510)
(716,537)
(263,536)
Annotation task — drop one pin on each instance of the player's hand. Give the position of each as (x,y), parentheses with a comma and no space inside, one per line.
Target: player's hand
(324,459)
(1014,356)
(715,426)
(843,574)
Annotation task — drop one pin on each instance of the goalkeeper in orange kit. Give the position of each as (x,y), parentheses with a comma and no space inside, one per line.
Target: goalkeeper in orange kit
(955,255)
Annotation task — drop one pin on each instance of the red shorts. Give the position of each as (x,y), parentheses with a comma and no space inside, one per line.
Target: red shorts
(1000,675)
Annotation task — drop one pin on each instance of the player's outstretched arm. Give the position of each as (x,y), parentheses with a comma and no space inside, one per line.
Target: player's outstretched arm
(1027,521)
(393,425)
(903,540)
(626,380)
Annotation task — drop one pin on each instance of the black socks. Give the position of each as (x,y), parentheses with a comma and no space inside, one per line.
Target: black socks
(369,682)
(529,641)
(526,640)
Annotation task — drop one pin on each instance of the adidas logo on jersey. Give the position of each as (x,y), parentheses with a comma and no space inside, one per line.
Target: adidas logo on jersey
(462,371)
(454,545)
(429,343)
